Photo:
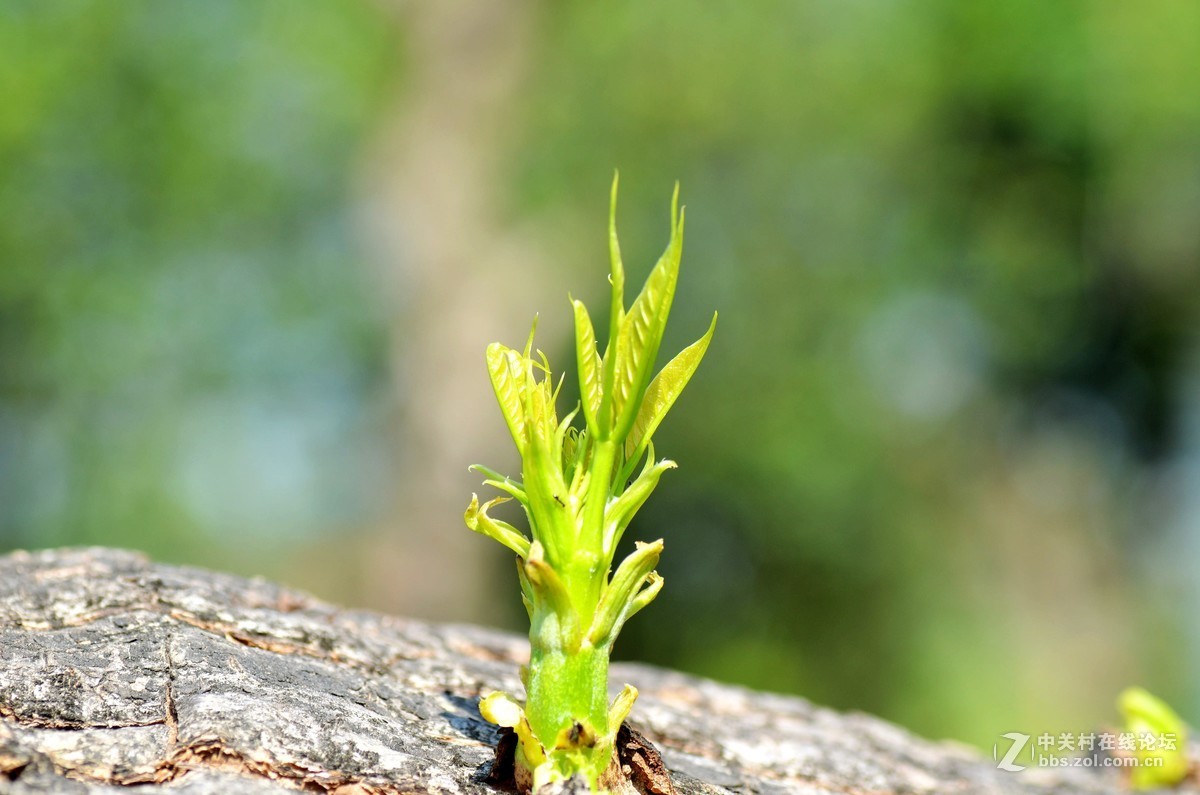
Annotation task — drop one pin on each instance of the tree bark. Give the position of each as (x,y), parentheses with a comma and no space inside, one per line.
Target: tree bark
(115,671)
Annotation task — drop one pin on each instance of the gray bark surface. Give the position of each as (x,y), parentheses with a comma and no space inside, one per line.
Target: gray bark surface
(115,671)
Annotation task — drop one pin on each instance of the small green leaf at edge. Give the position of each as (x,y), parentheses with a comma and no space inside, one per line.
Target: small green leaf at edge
(1145,713)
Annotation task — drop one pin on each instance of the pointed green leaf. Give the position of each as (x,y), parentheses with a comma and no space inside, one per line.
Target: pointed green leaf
(578,474)
(618,597)
(616,317)
(529,341)
(561,436)
(506,484)
(542,467)
(477,519)
(570,452)
(617,274)
(654,584)
(620,512)
(590,389)
(508,487)
(619,711)
(663,391)
(642,330)
(508,379)
(540,414)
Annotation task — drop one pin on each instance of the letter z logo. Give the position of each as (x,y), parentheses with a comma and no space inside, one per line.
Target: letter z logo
(1019,742)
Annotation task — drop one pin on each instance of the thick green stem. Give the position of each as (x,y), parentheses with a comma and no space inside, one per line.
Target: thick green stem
(565,688)
(567,706)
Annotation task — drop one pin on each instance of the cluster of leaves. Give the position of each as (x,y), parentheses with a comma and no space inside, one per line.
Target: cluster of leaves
(579,493)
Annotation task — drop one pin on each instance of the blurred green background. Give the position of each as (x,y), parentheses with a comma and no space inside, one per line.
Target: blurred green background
(942,462)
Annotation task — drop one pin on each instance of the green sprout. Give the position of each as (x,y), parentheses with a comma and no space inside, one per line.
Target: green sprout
(579,491)
(1149,717)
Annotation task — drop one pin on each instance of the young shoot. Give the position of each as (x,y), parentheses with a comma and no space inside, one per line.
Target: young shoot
(583,478)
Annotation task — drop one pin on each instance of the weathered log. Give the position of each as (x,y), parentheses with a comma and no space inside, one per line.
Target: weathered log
(115,671)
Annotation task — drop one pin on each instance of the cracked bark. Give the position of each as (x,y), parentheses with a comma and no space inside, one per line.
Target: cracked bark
(115,671)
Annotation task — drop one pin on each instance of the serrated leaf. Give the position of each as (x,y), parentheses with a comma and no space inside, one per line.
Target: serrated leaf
(543,475)
(508,380)
(663,391)
(478,520)
(591,391)
(541,414)
(642,330)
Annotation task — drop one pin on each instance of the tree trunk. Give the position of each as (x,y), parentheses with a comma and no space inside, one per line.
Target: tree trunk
(117,671)
(456,276)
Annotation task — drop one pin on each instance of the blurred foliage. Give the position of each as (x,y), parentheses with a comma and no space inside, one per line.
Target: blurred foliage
(942,461)
(184,342)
